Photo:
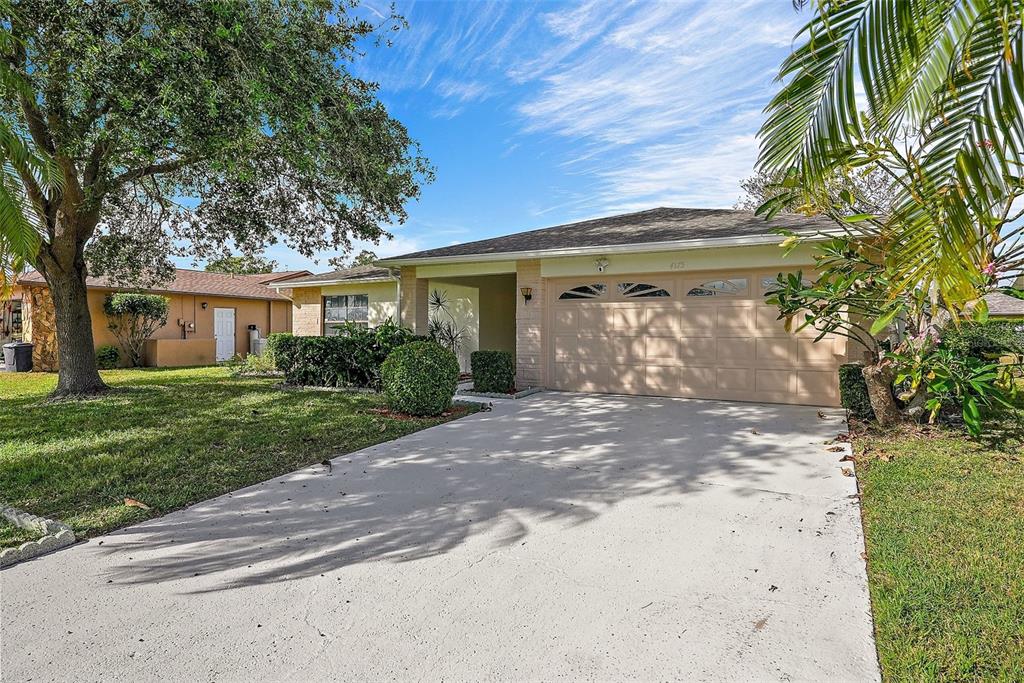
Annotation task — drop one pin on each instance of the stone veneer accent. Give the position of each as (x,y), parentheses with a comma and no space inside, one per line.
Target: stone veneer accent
(530,334)
(307,312)
(42,329)
(415,313)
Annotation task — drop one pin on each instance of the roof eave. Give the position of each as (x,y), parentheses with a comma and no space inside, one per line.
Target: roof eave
(152,290)
(321,283)
(674,245)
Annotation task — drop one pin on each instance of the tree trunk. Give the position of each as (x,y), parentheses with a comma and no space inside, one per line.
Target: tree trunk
(76,353)
(879,379)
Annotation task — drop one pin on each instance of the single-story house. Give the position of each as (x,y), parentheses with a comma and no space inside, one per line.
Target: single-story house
(666,302)
(209,320)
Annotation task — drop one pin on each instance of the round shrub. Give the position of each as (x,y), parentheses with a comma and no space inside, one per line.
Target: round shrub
(107,357)
(420,378)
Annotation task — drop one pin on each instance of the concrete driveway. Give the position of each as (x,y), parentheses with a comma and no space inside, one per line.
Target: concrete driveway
(561,536)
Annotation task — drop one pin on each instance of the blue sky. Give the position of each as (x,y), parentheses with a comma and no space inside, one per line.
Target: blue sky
(536,114)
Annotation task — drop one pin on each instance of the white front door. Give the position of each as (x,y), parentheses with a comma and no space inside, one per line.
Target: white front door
(224,332)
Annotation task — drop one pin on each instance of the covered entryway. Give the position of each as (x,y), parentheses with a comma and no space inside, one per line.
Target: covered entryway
(702,335)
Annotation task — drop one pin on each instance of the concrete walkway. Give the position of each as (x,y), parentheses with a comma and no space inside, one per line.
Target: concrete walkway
(561,536)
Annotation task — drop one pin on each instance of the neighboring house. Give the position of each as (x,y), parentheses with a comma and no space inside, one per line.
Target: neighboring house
(666,302)
(11,319)
(1004,307)
(209,318)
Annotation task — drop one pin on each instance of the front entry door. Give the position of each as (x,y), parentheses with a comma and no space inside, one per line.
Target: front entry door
(224,332)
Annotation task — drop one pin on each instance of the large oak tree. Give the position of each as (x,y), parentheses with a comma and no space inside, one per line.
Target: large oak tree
(192,125)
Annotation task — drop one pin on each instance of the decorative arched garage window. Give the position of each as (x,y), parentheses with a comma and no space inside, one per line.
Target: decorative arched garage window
(638,290)
(730,287)
(595,291)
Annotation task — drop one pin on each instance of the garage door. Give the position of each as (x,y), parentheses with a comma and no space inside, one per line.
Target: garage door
(704,336)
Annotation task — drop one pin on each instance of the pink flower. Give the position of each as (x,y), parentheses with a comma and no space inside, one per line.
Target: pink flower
(990,269)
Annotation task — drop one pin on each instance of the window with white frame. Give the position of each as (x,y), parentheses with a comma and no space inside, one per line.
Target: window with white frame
(345,308)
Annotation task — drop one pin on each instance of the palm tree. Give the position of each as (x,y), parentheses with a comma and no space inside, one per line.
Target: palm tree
(932,93)
(20,226)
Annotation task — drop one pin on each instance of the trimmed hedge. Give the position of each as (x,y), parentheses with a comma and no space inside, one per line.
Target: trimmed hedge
(353,358)
(853,391)
(985,340)
(493,371)
(420,378)
(107,357)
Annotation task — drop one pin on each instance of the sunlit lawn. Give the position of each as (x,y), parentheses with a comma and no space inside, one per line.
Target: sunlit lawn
(168,438)
(944,525)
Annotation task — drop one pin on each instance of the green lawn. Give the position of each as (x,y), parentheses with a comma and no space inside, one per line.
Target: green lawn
(944,526)
(168,438)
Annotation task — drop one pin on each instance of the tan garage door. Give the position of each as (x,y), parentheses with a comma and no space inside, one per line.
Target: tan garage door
(699,335)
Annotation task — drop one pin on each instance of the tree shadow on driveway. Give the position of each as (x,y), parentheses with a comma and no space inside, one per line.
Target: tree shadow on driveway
(561,459)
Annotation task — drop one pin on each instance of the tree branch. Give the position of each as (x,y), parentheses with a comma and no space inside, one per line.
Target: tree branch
(151,170)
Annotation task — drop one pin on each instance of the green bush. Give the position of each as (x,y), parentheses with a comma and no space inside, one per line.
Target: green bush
(493,371)
(133,318)
(107,357)
(353,358)
(985,340)
(279,346)
(853,391)
(420,378)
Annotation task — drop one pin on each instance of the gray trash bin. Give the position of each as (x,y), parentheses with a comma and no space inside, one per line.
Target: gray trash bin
(18,357)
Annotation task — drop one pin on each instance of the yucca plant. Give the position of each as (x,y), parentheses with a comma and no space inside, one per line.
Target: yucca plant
(932,93)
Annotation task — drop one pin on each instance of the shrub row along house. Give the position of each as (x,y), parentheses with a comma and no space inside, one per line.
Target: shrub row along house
(209,319)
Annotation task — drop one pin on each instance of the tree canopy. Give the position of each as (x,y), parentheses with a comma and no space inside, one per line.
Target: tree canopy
(241,265)
(193,126)
(929,93)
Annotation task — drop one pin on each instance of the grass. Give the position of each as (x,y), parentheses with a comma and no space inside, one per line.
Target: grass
(169,438)
(944,527)
(11,535)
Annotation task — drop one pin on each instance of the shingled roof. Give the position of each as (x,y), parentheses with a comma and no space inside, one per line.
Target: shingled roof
(357,274)
(198,282)
(654,226)
(1004,306)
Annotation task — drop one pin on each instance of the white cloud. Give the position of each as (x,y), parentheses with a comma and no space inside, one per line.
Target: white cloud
(661,100)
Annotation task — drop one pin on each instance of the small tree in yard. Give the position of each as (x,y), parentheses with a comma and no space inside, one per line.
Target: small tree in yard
(133,318)
(187,127)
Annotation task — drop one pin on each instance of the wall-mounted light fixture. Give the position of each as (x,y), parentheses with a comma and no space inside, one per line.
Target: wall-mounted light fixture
(527,293)
(601,264)
(204,305)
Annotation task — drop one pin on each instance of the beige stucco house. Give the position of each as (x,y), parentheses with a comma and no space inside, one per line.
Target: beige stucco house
(209,318)
(666,302)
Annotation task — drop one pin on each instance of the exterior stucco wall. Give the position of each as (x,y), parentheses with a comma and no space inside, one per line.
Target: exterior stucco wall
(268,316)
(462,311)
(497,310)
